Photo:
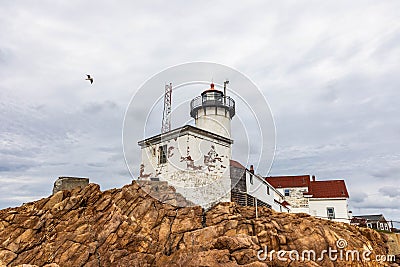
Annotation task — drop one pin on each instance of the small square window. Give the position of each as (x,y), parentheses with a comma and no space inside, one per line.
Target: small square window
(287,192)
(331,213)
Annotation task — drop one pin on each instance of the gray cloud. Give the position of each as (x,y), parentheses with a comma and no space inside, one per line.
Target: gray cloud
(94,108)
(390,191)
(358,197)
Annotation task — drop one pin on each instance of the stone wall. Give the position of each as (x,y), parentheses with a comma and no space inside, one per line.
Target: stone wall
(296,198)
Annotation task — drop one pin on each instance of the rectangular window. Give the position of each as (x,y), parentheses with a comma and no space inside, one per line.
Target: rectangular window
(287,192)
(251,178)
(163,154)
(331,213)
(268,190)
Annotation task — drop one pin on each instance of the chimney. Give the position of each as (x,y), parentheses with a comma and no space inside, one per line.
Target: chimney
(313,178)
(252,169)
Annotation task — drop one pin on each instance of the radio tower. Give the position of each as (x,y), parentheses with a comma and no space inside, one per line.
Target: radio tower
(166,122)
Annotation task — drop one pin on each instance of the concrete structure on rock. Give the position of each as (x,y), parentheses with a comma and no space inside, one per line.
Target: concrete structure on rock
(69,183)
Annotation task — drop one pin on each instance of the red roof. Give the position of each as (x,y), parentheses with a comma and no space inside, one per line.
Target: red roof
(328,189)
(236,164)
(289,181)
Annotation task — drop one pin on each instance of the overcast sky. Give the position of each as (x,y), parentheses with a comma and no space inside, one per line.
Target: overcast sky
(329,70)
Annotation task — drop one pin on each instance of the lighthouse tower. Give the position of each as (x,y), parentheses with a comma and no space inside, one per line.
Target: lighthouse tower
(213,111)
(195,160)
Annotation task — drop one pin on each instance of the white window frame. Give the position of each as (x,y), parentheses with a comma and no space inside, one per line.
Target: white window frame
(330,215)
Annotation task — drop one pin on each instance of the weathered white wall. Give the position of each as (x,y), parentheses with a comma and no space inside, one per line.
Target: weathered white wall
(299,210)
(215,120)
(197,166)
(318,207)
(278,196)
(258,189)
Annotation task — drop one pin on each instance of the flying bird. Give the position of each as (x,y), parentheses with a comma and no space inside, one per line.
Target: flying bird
(89,78)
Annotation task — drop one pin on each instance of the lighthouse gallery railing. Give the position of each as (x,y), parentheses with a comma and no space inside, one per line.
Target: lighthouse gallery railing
(202,102)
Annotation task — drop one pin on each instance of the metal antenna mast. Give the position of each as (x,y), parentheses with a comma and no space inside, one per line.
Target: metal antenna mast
(166,122)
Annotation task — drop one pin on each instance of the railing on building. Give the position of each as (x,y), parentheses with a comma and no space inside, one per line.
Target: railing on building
(202,102)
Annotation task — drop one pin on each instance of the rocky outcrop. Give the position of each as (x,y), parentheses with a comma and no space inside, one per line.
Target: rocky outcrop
(165,193)
(127,227)
(393,242)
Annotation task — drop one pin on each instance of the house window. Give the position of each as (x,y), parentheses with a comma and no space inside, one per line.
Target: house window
(386,227)
(369,225)
(382,228)
(154,151)
(251,178)
(268,190)
(163,154)
(287,192)
(331,213)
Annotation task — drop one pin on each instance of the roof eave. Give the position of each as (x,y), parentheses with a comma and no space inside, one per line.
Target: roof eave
(178,132)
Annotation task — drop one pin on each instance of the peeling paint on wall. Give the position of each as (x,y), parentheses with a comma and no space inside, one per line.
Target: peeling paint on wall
(170,151)
(197,166)
(190,163)
(142,174)
(211,159)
